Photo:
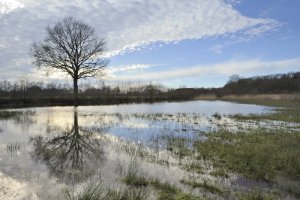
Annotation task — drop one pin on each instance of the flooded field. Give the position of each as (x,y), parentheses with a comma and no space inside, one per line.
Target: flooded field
(136,151)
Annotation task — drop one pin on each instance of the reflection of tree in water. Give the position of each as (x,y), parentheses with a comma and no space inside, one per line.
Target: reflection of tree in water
(72,156)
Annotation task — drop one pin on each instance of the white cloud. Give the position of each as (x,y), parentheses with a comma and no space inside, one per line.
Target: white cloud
(126,68)
(7,6)
(234,2)
(167,21)
(244,68)
(126,25)
(111,72)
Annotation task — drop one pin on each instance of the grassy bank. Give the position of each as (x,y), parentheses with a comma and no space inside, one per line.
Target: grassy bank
(288,111)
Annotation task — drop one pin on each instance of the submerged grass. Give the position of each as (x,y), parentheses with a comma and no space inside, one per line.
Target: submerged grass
(166,191)
(206,185)
(178,146)
(13,147)
(91,192)
(135,179)
(98,192)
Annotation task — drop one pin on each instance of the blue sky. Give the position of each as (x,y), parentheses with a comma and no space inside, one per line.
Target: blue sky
(196,43)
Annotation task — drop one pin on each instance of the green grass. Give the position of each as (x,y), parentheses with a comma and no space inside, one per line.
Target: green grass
(166,187)
(258,155)
(219,172)
(287,111)
(178,146)
(195,167)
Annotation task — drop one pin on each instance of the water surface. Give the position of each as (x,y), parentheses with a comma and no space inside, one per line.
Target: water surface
(43,150)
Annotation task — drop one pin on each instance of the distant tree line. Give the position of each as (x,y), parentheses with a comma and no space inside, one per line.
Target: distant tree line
(271,84)
(28,93)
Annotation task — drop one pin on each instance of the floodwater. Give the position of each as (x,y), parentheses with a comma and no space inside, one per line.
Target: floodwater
(45,151)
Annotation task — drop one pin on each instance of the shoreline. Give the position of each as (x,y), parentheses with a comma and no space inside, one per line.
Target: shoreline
(260,99)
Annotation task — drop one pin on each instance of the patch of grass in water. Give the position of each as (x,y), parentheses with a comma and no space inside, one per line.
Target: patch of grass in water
(178,146)
(91,192)
(98,192)
(217,116)
(195,167)
(210,187)
(259,155)
(133,175)
(13,147)
(166,191)
(135,179)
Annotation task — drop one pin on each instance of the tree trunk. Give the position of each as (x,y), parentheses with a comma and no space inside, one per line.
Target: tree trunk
(75,93)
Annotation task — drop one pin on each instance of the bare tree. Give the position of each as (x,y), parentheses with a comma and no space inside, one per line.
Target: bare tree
(71,46)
